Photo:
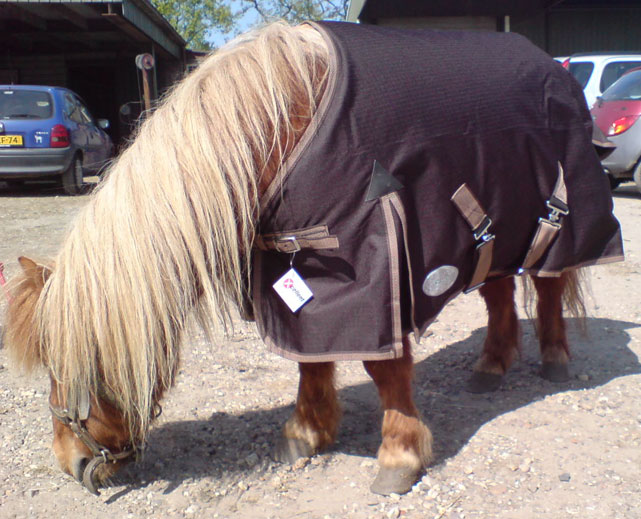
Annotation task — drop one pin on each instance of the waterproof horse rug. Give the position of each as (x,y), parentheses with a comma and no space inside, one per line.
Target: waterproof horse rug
(435,160)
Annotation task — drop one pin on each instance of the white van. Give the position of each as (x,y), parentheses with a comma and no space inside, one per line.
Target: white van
(597,71)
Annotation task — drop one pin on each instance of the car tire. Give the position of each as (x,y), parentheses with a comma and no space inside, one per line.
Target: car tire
(637,176)
(72,177)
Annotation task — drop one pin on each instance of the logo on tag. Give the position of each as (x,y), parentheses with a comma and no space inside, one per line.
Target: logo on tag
(293,290)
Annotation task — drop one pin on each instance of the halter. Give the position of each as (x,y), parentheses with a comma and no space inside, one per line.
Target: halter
(75,419)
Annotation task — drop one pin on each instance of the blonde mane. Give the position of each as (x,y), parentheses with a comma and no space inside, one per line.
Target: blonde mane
(169,232)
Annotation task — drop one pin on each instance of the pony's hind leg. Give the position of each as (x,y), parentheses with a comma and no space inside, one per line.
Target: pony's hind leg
(502,341)
(551,327)
(407,443)
(314,423)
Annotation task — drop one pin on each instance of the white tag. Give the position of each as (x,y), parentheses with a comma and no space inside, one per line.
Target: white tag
(293,290)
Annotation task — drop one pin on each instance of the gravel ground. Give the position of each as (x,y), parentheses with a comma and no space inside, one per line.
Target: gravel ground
(532,449)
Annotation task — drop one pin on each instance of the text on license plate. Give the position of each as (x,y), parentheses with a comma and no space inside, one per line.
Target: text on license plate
(7,141)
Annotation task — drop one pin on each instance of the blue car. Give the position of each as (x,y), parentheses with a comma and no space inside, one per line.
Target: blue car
(48,132)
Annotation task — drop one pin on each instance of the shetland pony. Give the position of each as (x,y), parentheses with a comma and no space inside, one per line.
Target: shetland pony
(169,234)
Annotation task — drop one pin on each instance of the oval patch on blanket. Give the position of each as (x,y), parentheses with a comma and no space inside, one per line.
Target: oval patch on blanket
(440,280)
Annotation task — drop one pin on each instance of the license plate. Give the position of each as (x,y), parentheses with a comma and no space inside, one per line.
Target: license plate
(10,141)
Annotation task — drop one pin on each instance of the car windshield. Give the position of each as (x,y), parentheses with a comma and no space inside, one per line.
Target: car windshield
(25,104)
(628,88)
(582,70)
(613,71)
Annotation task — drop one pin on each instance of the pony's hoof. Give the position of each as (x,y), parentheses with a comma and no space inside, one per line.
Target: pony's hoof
(289,450)
(394,481)
(555,372)
(481,382)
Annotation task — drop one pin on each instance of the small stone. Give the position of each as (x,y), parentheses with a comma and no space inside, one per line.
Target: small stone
(497,490)
(252,459)
(300,463)
(525,466)
(393,513)
(583,377)
(394,498)
(243,486)
(565,477)
(276,481)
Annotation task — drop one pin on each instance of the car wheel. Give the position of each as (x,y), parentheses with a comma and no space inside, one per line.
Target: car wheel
(637,176)
(72,177)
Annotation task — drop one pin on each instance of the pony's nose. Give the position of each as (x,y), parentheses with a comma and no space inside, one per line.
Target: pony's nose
(78,467)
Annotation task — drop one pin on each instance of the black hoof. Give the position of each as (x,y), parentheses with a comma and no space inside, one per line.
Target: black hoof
(481,382)
(289,450)
(555,372)
(394,481)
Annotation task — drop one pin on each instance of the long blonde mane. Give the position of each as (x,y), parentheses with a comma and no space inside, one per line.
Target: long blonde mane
(169,232)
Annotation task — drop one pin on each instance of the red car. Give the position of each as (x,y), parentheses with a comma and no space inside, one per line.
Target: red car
(618,114)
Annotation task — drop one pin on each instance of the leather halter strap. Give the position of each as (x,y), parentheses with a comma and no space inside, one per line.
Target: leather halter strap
(479,223)
(75,419)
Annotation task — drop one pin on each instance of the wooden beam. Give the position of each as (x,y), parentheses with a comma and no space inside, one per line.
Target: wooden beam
(16,13)
(126,27)
(70,15)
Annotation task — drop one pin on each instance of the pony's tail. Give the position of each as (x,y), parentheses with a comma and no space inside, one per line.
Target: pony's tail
(573,296)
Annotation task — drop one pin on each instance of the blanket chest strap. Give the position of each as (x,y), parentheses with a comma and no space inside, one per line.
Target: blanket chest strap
(289,242)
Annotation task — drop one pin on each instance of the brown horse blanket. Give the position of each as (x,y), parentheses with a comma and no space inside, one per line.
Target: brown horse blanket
(427,145)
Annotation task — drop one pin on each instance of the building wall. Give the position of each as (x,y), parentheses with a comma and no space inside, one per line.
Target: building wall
(488,23)
(564,32)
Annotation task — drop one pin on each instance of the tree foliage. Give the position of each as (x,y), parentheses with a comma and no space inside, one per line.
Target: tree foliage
(195,19)
(297,10)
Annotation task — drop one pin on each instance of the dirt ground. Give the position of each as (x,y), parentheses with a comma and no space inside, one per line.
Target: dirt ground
(532,449)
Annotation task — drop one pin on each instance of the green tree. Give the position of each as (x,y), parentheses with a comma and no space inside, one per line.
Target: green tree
(298,10)
(195,19)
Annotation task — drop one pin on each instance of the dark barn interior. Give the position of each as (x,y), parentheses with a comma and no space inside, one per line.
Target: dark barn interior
(90,47)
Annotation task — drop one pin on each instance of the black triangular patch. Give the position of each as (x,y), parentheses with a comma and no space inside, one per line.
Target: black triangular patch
(382,183)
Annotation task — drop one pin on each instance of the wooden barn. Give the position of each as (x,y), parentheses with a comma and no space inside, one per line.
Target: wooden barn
(91,48)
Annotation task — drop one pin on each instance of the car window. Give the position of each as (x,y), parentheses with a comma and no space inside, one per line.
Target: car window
(25,104)
(72,109)
(84,112)
(582,71)
(628,88)
(613,71)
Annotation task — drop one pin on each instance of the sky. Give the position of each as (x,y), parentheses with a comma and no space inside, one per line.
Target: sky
(217,39)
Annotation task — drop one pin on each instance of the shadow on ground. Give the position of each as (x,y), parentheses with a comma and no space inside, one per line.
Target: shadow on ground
(41,189)
(229,445)
(626,190)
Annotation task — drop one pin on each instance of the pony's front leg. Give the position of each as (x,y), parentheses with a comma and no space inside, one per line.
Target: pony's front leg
(406,448)
(314,423)
(502,341)
(555,351)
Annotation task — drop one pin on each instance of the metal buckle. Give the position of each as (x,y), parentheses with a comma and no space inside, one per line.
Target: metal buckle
(552,220)
(555,212)
(481,231)
(287,239)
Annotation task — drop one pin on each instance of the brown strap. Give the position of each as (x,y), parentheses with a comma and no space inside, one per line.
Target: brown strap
(469,207)
(479,222)
(317,237)
(548,227)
